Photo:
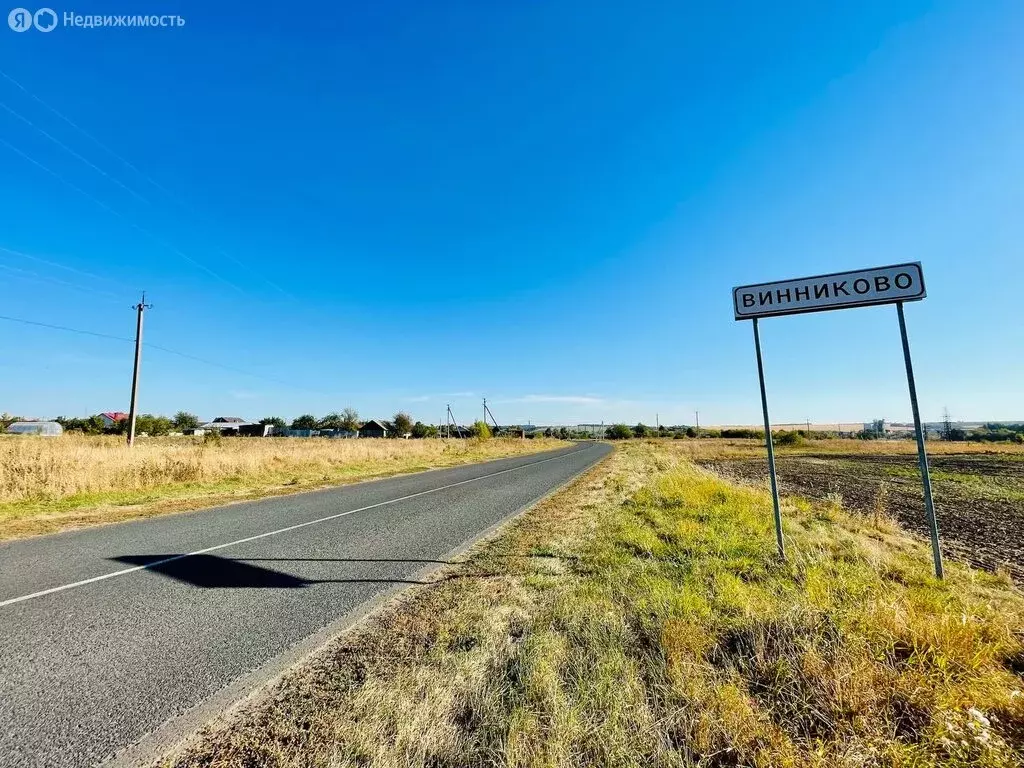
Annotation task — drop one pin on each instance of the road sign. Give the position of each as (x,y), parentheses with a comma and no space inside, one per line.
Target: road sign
(882,285)
(842,290)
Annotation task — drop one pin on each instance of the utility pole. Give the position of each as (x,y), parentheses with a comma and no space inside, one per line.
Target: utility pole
(696,415)
(451,420)
(139,308)
(494,421)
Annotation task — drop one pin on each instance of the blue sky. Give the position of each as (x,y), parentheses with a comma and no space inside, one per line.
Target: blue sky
(396,205)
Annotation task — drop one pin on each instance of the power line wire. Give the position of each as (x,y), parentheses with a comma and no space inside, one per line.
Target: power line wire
(174,198)
(231,368)
(161,348)
(57,264)
(143,230)
(72,152)
(46,279)
(23,321)
(81,130)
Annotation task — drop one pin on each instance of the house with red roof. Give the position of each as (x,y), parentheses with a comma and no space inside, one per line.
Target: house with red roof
(113,418)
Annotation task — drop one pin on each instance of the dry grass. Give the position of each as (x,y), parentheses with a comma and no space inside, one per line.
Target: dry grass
(640,618)
(49,484)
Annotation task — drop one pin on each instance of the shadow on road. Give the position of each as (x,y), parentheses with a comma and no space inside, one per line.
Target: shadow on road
(214,572)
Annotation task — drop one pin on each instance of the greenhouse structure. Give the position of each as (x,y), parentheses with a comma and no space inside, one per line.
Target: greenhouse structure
(43,428)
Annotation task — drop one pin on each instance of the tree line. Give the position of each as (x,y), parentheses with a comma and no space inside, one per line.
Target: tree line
(346,420)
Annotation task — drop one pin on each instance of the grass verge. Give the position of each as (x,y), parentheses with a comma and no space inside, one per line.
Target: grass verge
(639,618)
(53,484)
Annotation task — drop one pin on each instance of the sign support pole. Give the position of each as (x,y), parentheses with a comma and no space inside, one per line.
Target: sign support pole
(922,455)
(768,442)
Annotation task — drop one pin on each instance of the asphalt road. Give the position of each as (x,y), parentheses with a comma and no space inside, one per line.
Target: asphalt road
(110,633)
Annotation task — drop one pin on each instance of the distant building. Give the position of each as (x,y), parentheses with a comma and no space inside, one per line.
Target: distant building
(255,430)
(338,433)
(226,425)
(113,418)
(41,428)
(373,428)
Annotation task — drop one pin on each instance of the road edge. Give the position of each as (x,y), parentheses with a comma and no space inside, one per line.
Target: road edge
(175,735)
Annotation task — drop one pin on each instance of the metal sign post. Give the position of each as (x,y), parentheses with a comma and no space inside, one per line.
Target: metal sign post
(771,447)
(894,284)
(922,455)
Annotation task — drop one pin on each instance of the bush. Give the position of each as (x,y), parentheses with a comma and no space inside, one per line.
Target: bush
(743,433)
(154,426)
(789,438)
(618,432)
(481,430)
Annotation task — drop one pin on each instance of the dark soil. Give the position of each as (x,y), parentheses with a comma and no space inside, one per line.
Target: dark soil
(979,498)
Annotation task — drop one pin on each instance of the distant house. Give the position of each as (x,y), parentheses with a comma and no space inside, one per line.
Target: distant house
(373,428)
(113,418)
(225,425)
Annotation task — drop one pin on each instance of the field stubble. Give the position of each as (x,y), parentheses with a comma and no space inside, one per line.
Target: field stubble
(49,484)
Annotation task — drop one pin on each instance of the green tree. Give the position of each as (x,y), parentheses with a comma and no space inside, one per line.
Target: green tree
(402,423)
(330,421)
(305,421)
(641,430)
(274,421)
(185,420)
(152,425)
(481,430)
(618,432)
(421,430)
(350,420)
(93,425)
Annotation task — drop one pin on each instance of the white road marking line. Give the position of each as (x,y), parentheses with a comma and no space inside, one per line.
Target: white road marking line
(156,564)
